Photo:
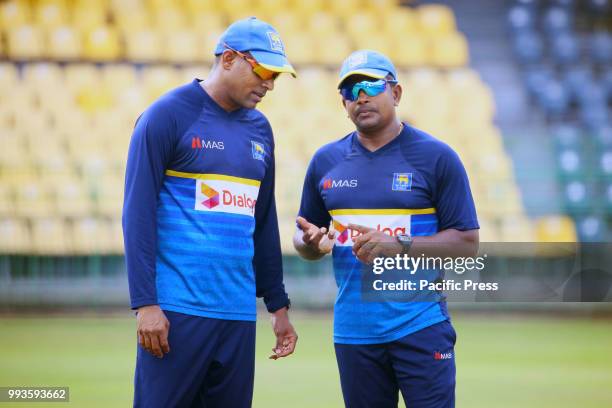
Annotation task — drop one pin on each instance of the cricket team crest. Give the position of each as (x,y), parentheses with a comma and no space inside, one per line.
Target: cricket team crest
(258,151)
(402,182)
(275,41)
(357,58)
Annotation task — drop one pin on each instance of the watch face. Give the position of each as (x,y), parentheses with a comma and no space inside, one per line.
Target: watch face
(404,238)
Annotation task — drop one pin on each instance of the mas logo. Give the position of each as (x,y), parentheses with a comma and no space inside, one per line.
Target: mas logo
(331,183)
(402,182)
(443,356)
(258,151)
(275,41)
(198,143)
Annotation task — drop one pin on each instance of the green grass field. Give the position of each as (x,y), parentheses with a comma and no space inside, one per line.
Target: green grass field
(502,361)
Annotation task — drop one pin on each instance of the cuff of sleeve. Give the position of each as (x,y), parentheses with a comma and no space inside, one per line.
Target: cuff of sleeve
(276,301)
(136,303)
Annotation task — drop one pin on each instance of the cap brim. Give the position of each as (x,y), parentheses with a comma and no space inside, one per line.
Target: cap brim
(273,62)
(369,72)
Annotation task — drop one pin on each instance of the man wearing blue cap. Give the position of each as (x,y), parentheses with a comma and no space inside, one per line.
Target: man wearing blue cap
(387,189)
(201,230)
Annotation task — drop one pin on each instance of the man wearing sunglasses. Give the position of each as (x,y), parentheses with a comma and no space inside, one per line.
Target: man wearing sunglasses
(201,230)
(387,189)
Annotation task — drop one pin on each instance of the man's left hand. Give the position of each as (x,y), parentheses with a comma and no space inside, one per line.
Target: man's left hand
(372,243)
(286,337)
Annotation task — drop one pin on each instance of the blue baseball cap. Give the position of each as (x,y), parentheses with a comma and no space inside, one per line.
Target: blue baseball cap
(260,39)
(367,62)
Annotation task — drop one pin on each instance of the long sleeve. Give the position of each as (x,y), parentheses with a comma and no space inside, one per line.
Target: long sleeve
(150,151)
(267,260)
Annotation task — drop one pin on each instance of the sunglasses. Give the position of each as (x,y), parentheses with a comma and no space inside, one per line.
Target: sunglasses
(259,70)
(350,92)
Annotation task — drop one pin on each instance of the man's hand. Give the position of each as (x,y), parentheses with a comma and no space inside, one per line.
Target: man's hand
(372,244)
(153,327)
(286,337)
(316,238)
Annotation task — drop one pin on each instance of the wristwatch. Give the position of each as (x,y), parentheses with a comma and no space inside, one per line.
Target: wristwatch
(406,241)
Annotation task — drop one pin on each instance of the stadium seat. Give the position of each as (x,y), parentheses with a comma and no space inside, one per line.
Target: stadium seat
(170,18)
(555,229)
(601,48)
(602,136)
(565,48)
(71,199)
(591,228)
(144,45)
(50,14)
(594,114)
(50,236)
(568,136)
(324,24)
(557,20)
(183,46)
(605,164)
(361,25)
(32,200)
(401,23)
(64,43)
(300,48)
(536,78)
(436,19)
(576,79)
(578,196)
(528,47)
(14,13)
(201,7)
(102,44)
(118,76)
(208,22)
(14,236)
(91,235)
(89,13)
(9,76)
(411,51)
(7,205)
(449,51)
(571,163)
(521,18)
(25,42)
(554,99)
(338,46)
(517,228)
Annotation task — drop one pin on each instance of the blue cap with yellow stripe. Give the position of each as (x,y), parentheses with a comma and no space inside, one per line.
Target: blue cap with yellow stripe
(367,62)
(261,40)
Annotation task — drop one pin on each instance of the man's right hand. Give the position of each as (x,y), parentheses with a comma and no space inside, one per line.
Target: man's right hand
(318,239)
(153,327)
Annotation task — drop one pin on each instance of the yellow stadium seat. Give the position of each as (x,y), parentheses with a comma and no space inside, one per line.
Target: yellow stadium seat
(210,40)
(436,19)
(42,74)
(7,205)
(116,236)
(109,196)
(25,42)
(144,45)
(517,228)
(9,76)
(362,25)
(183,46)
(309,7)
(72,198)
(273,7)
(449,51)
(51,236)
(555,229)
(344,7)
(189,73)
(159,80)
(91,236)
(32,200)
(400,22)
(102,44)
(14,13)
(51,14)
(14,236)
(64,43)
(382,5)
(170,19)
(130,14)
(409,50)
(208,22)
(119,76)
(300,48)
(288,23)
(376,41)
(323,23)
(81,75)
(489,230)
(87,14)
(201,7)
(337,48)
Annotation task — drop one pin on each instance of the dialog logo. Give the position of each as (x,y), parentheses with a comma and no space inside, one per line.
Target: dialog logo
(343,232)
(212,196)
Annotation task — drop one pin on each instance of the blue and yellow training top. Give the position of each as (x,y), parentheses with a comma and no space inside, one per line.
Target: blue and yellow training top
(199,215)
(413,185)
